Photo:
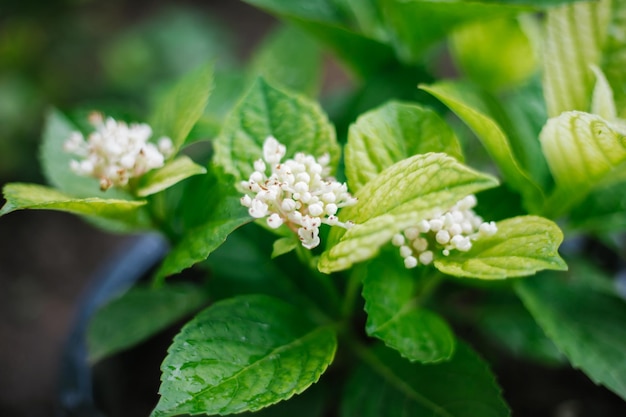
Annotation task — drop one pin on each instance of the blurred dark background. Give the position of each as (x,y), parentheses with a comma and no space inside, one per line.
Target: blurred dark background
(79,54)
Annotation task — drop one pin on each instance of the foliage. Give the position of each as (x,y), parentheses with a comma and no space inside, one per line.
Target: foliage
(294,258)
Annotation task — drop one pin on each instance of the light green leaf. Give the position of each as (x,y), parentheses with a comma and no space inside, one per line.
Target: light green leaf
(574,39)
(55,161)
(37,197)
(389,386)
(494,53)
(522,246)
(391,133)
(586,325)
(399,197)
(465,103)
(436,19)
(181,107)
(139,314)
(391,294)
(583,152)
(172,173)
(284,245)
(242,354)
(602,102)
(291,59)
(295,121)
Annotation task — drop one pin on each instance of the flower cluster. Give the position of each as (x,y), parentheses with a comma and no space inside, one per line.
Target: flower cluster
(452,230)
(116,152)
(297,193)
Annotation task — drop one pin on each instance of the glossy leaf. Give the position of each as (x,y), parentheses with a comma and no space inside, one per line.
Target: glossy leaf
(139,314)
(583,152)
(291,59)
(242,354)
(601,211)
(399,197)
(181,107)
(37,197)
(211,210)
(464,102)
(389,386)
(327,22)
(295,121)
(391,294)
(172,173)
(586,325)
(391,133)
(574,39)
(284,245)
(522,246)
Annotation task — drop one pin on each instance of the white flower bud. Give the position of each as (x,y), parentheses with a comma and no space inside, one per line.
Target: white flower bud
(331,209)
(405,251)
(410,262)
(397,240)
(426,258)
(274,221)
(316,210)
(259,165)
(442,237)
(412,233)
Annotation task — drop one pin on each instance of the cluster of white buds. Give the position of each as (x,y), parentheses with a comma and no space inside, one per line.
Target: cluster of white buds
(455,229)
(297,193)
(116,152)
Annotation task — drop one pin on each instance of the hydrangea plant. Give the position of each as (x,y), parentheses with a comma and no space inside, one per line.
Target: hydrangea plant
(335,244)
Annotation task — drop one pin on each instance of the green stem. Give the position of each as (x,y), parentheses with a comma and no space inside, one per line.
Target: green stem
(352,291)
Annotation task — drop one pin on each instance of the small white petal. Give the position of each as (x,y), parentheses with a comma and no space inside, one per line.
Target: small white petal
(405,251)
(410,262)
(426,258)
(397,240)
(274,221)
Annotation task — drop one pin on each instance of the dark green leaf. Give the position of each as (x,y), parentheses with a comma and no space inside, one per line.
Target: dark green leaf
(389,386)
(585,324)
(391,133)
(295,121)
(181,107)
(391,294)
(139,314)
(242,354)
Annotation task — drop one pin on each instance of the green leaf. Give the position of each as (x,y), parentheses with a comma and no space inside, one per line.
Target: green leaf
(586,325)
(295,121)
(172,173)
(466,104)
(602,102)
(494,53)
(389,386)
(399,197)
(138,314)
(210,210)
(284,245)
(394,315)
(242,354)
(311,403)
(506,322)
(602,211)
(37,197)
(328,23)
(181,107)
(391,133)
(614,59)
(574,39)
(583,152)
(436,19)
(291,59)
(55,162)
(522,246)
